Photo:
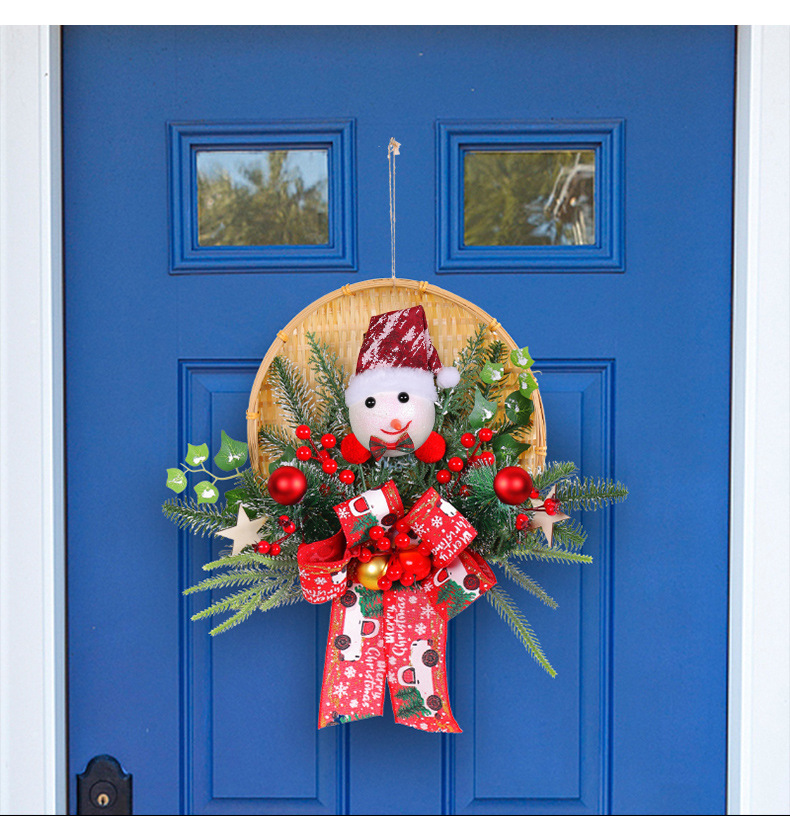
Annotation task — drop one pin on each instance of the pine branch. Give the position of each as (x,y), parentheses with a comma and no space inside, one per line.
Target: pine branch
(291,392)
(528,584)
(538,552)
(506,608)
(553,473)
(590,493)
(274,441)
(331,380)
(200,519)
(570,534)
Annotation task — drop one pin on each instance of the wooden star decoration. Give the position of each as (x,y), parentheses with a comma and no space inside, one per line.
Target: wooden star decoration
(245,533)
(543,521)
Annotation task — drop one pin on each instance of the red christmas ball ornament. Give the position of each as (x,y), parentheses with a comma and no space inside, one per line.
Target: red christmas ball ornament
(287,485)
(276,549)
(329,466)
(262,547)
(329,441)
(347,476)
(512,485)
(443,476)
(455,464)
(467,440)
(304,453)
(303,432)
(486,435)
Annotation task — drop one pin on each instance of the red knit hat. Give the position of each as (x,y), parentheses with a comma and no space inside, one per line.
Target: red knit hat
(397,354)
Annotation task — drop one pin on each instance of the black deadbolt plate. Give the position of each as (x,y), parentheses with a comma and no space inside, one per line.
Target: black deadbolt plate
(104,789)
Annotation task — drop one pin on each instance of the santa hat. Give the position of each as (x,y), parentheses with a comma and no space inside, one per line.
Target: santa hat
(397,354)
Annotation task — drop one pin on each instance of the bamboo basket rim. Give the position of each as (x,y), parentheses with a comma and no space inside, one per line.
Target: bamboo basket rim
(423,288)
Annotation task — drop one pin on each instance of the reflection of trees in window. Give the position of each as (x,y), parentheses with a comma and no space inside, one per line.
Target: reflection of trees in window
(529,198)
(263,204)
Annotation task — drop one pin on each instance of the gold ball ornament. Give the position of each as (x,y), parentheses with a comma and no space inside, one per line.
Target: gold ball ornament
(369,573)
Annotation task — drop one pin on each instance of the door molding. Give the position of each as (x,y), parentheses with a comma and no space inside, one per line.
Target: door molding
(32,589)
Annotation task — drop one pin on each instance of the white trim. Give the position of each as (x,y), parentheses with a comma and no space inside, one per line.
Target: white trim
(759,693)
(32,588)
(32,596)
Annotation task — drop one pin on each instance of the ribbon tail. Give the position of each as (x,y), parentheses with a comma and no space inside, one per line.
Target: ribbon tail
(355,663)
(416,637)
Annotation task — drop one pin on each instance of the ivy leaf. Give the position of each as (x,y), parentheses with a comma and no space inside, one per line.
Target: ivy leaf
(176,480)
(518,409)
(196,454)
(492,373)
(287,456)
(234,497)
(527,384)
(232,454)
(507,448)
(482,412)
(521,358)
(206,492)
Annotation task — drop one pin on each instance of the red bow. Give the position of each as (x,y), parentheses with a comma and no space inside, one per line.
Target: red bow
(378,447)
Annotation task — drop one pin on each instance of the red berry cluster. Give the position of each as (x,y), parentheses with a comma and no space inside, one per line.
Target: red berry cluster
(266,548)
(408,562)
(455,465)
(311,452)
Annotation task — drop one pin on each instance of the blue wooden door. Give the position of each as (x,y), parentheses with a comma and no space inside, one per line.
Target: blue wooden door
(631,333)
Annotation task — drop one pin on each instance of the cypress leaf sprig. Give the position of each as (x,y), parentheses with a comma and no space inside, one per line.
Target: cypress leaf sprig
(590,493)
(527,583)
(291,392)
(537,552)
(200,519)
(331,380)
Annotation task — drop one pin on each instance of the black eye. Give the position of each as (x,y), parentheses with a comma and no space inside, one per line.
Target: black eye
(370,402)
(403,397)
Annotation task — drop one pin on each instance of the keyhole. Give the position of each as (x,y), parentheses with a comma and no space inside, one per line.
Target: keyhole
(102,799)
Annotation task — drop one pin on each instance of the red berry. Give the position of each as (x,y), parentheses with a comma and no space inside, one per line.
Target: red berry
(383,544)
(488,458)
(407,579)
(347,476)
(262,547)
(425,548)
(534,494)
(443,476)
(365,555)
(551,506)
(275,550)
(521,521)
(384,583)
(323,455)
(403,525)
(283,519)
(376,532)
(329,466)
(402,541)
(455,464)
(485,435)
(303,453)
(329,441)
(303,432)
(465,491)
(289,528)
(394,568)
(467,440)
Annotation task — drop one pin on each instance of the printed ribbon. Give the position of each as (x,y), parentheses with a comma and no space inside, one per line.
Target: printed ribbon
(378,447)
(396,637)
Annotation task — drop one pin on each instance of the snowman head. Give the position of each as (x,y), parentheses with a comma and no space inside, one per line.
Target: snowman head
(392,395)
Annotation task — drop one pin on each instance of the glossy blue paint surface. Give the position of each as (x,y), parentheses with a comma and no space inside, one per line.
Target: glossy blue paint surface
(635,381)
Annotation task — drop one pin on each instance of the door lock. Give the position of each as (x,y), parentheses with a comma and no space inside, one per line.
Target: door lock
(104,789)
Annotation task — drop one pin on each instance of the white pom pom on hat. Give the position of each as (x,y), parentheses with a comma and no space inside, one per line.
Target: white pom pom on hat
(397,354)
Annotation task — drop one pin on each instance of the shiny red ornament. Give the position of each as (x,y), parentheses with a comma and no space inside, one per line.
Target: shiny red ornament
(287,485)
(486,434)
(329,441)
(512,485)
(467,440)
(415,563)
(329,466)
(304,453)
(455,464)
(347,476)
(443,476)
(303,432)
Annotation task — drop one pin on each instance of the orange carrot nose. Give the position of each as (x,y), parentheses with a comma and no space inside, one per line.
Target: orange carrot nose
(396,424)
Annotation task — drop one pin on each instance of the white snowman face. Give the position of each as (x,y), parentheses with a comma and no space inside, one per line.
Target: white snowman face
(389,416)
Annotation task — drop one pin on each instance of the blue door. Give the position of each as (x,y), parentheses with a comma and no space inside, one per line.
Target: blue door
(623,296)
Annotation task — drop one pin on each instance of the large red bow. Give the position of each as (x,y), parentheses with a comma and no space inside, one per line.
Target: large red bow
(397,637)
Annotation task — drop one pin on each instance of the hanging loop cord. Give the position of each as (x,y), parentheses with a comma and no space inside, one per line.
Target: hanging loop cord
(393,150)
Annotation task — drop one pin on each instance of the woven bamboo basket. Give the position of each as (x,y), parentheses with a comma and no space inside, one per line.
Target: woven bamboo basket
(341,318)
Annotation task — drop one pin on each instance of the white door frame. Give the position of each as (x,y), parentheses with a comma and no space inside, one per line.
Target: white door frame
(32,536)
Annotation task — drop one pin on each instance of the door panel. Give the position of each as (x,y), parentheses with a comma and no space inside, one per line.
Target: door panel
(634,355)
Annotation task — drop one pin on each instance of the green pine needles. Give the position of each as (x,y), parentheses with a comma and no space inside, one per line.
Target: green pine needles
(248,581)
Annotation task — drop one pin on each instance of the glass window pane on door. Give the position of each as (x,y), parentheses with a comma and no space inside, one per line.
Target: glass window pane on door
(529,198)
(263,198)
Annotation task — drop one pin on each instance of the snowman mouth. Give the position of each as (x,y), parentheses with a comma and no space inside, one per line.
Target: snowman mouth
(396,433)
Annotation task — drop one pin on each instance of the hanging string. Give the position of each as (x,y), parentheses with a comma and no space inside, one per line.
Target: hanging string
(393,150)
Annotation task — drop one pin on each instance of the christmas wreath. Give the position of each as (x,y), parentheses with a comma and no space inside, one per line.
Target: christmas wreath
(396,495)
